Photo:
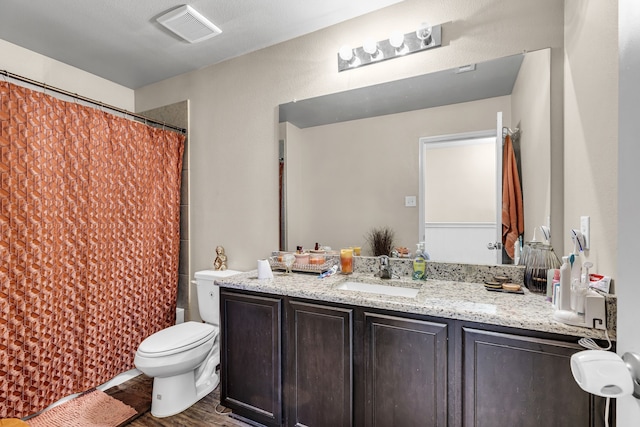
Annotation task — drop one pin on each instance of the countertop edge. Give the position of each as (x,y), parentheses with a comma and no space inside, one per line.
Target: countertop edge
(529,312)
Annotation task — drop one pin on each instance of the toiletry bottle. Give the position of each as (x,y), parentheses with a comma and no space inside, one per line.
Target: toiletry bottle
(555,286)
(576,273)
(564,302)
(576,267)
(419,264)
(583,288)
(550,273)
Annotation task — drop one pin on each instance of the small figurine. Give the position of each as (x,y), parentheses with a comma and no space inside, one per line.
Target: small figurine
(220,262)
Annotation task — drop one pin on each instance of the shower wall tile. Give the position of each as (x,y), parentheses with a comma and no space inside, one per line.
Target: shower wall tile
(185,158)
(184,220)
(183,291)
(183,266)
(184,189)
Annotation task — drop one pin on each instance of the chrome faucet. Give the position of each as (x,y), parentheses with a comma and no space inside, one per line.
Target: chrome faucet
(385,267)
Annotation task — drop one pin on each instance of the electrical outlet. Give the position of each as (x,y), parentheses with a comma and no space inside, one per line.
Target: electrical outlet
(585,229)
(410,201)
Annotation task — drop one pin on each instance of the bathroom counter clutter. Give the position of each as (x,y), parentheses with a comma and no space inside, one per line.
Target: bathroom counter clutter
(439,298)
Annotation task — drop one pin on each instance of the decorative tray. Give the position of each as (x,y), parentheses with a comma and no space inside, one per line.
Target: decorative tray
(302,268)
(520,291)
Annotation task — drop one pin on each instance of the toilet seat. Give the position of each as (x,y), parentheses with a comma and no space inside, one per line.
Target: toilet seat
(177,339)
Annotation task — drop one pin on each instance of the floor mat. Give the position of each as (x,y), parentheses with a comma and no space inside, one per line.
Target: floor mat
(92,409)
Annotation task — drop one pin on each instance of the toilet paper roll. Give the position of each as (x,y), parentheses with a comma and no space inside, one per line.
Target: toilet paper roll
(264,269)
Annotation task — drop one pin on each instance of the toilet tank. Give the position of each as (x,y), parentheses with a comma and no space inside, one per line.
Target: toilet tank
(209,293)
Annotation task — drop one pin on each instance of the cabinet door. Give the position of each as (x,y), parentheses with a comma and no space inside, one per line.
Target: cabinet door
(320,365)
(405,372)
(513,380)
(251,363)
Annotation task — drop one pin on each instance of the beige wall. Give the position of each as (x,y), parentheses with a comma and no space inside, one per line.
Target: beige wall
(591,126)
(530,111)
(34,66)
(376,161)
(233,122)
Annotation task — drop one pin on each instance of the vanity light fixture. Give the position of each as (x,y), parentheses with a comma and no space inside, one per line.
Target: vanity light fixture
(425,37)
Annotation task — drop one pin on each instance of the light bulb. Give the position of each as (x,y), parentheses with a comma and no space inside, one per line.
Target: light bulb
(346,53)
(396,39)
(424,31)
(370,46)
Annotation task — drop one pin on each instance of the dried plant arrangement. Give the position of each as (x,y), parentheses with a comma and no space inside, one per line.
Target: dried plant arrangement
(380,240)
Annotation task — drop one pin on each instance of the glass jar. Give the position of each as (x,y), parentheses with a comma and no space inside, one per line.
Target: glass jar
(538,258)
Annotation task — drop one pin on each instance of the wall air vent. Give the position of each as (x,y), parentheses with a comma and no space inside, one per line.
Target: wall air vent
(189,24)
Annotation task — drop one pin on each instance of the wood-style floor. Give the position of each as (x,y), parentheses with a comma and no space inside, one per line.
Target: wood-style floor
(137,393)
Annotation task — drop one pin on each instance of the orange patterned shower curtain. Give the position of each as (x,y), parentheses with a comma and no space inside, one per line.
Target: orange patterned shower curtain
(89,228)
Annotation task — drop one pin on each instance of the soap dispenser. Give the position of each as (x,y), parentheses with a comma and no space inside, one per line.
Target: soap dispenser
(419,263)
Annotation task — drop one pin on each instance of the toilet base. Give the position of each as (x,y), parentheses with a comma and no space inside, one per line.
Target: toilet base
(172,395)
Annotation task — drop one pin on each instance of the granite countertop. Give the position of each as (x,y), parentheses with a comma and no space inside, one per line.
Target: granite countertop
(439,298)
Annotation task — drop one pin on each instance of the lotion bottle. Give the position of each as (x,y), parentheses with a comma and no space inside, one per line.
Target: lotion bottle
(564,302)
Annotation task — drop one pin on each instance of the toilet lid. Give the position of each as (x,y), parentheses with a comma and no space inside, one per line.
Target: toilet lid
(178,338)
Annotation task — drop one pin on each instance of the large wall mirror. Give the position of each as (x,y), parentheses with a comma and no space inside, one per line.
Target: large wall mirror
(350,159)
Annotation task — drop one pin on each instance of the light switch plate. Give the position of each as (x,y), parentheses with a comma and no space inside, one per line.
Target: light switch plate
(410,201)
(585,229)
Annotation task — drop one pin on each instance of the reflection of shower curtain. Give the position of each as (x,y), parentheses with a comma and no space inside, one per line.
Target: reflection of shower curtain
(89,223)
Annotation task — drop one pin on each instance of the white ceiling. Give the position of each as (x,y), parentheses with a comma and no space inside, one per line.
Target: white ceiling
(121,41)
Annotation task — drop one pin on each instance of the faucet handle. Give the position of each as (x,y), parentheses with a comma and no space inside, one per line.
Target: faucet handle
(384,260)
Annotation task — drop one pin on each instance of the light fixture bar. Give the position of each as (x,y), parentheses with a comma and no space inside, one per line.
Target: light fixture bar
(412,44)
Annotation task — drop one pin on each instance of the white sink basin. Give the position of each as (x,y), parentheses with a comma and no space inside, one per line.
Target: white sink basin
(396,291)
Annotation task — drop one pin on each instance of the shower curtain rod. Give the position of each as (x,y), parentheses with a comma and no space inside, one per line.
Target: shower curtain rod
(46,87)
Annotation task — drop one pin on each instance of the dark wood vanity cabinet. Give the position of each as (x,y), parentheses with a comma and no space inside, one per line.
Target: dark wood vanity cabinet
(405,371)
(309,363)
(319,365)
(525,381)
(251,356)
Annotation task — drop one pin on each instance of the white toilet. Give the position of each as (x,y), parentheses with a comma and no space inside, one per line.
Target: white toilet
(182,359)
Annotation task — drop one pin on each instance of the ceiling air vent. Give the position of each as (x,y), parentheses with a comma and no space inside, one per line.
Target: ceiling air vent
(189,24)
